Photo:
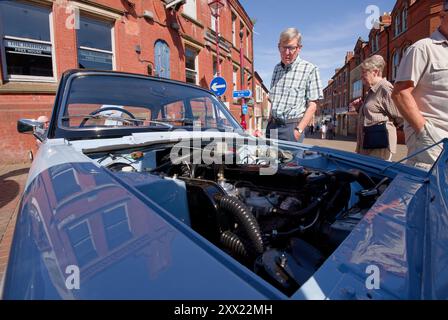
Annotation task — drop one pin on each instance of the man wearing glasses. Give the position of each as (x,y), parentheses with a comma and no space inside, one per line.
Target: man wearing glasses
(295,90)
(421,94)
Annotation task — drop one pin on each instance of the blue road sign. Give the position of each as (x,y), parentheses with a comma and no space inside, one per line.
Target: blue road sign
(244,109)
(218,86)
(242,94)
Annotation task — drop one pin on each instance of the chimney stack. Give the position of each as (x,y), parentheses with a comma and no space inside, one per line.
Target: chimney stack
(386,19)
(349,56)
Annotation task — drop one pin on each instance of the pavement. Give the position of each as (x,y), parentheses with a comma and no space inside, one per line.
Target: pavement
(349,144)
(13,179)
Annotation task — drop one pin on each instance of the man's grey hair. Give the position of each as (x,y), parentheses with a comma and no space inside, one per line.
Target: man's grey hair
(374,62)
(289,34)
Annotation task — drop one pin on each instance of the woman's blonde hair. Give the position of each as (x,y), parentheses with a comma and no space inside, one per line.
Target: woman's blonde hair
(374,62)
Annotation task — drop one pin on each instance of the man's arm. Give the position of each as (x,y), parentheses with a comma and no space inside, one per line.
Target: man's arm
(313,93)
(406,104)
(308,116)
(412,67)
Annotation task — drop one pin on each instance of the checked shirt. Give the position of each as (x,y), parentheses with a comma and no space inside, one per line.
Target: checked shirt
(292,87)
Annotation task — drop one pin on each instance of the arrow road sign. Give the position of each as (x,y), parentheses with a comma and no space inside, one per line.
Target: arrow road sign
(218,86)
(242,94)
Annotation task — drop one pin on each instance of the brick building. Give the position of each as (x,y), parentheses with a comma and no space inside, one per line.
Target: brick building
(167,38)
(409,21)
(262,105)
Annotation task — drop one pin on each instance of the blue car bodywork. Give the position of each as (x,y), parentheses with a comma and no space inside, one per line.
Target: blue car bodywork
(131,235)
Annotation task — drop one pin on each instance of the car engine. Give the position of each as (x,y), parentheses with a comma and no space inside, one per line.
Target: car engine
(281,226)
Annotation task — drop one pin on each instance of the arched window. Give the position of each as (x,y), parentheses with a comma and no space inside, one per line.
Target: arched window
(395,63)
(162,59)
(404,19)
(397,24)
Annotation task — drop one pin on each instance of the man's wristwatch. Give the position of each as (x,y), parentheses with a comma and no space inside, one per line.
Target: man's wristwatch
(298,130)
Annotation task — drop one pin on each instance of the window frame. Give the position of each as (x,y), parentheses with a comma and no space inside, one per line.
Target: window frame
(234,38)
(213,22)
(235,77)
(404,19)
(196,64)
(102,19)
(398,24)
(258,94)
(75,179)
(27,78)
(189,6)
(90,237)
(108,229)
(397,54)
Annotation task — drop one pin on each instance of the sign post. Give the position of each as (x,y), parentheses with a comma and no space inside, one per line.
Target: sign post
(242,94)
(218,86)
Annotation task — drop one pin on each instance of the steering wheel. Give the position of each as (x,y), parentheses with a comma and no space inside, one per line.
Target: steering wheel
(83,122)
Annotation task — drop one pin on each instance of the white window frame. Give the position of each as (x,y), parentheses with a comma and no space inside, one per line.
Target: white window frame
(190,9)
(258,94)
(196,65)
(213,22)
(234,28)
(235,78)
(104,19)
(215,66)
(24,78)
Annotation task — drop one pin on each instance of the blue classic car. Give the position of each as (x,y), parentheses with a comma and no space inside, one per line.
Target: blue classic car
(146,188)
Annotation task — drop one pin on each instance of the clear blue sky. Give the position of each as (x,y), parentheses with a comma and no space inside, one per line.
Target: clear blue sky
(329,28)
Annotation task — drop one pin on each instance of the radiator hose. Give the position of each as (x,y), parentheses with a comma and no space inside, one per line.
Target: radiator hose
(233,243)
(246,221)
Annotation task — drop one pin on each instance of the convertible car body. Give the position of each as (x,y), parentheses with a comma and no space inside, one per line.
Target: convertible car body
(146,188)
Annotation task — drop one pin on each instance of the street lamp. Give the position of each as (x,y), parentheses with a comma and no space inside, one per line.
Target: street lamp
(215,7)
(243,100)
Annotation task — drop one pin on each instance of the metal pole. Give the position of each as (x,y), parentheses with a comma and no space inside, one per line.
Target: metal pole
(388,53)
(217,42)
(243,100)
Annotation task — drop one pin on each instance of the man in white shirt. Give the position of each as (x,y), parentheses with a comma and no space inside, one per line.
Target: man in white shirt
(421,94)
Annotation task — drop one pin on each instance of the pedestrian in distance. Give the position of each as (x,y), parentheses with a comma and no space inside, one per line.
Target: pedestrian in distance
(323,131)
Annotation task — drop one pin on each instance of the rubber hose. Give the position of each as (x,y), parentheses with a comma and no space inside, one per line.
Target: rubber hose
(231,242)
(246,220)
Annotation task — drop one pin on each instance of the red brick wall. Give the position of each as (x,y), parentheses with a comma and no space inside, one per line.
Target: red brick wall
(130,30)
(14,146)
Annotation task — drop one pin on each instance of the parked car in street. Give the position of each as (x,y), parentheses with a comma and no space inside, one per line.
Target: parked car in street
(147,188)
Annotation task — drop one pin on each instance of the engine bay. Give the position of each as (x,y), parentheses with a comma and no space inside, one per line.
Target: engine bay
(282,226)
